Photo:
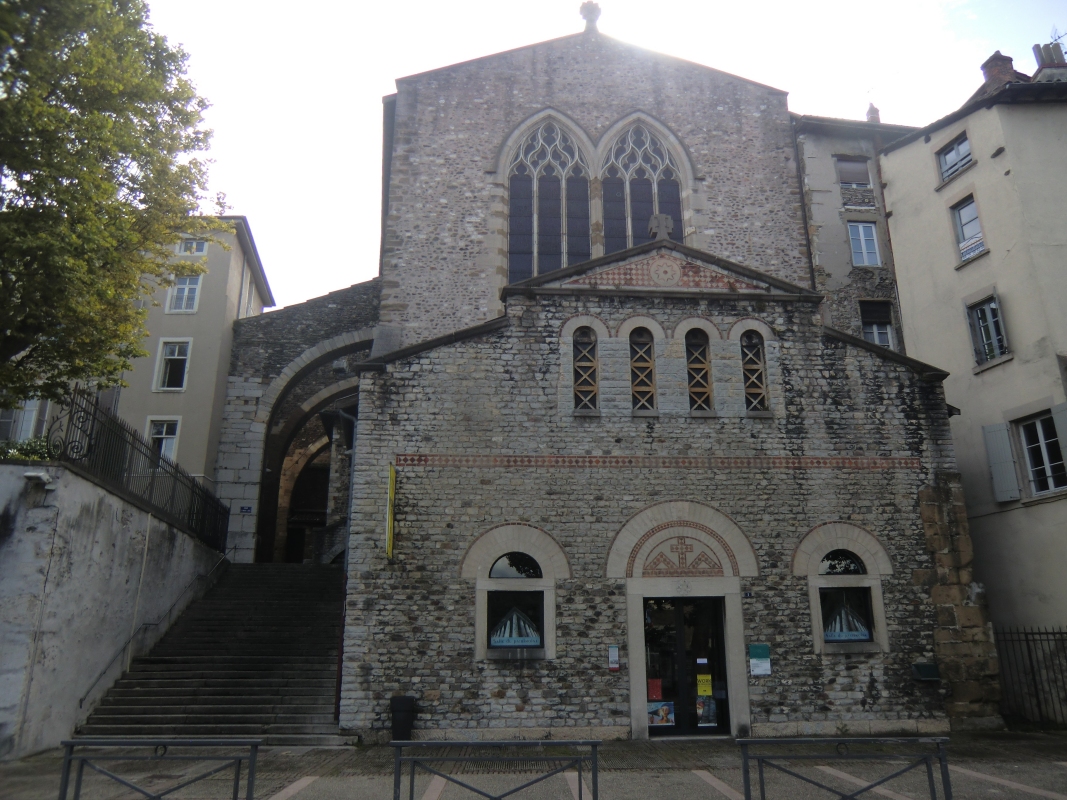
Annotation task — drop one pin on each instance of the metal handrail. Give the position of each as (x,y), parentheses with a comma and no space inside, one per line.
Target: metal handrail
(562,763)
(145,625)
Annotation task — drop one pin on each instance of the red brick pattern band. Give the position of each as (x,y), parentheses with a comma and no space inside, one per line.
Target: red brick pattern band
(486,461)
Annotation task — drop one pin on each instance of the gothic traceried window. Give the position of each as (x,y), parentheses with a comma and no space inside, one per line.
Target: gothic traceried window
(548,214)
(754,371)
(698,369)
(585,370)
(640,178)
(643,370)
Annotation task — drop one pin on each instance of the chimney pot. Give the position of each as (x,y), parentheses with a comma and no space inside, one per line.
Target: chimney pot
(998,69)
(872,114)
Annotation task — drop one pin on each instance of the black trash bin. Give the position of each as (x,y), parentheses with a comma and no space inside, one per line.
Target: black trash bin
(403,711)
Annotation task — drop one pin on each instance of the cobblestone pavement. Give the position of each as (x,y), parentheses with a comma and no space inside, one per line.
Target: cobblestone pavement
(997,766)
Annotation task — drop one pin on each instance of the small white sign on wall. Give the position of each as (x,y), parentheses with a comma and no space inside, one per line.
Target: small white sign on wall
(613,657)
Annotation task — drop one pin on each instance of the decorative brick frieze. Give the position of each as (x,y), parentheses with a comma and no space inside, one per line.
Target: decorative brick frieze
(489,461)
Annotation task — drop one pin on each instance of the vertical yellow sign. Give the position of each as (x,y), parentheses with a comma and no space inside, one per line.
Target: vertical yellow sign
(703,685)
(389,512)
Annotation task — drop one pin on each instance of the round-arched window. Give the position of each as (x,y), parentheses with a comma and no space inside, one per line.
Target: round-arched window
(842,562)
(515,565)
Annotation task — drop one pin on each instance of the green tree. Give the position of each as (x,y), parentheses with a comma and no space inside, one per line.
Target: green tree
(99,131)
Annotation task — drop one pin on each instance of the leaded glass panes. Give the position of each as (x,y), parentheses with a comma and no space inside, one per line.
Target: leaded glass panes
(585,370)
(548,206)
(639,179)
(643,370)
(754,371)
(698,368)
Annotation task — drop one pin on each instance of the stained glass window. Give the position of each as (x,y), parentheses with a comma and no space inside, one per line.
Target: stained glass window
(548,204)
(639,179)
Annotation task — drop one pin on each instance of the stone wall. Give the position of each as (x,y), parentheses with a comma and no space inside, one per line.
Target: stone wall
(80,571)
(482,435)
(444,254)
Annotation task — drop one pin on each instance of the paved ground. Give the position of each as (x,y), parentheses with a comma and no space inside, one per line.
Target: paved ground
(997,766)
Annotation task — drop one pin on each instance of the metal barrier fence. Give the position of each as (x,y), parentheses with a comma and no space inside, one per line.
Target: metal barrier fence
(86,436)
(785,750)
(1033,675)
(560,762)
(78,761)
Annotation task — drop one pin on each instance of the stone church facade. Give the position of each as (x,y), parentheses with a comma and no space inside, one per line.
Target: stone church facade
(596,477)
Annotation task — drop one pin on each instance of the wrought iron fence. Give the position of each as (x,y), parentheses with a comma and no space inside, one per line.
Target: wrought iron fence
(85,435)
(95,753)
(434,753)
(903,754)
(1033,675)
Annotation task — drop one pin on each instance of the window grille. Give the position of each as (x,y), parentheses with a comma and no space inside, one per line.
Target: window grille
(184,294)
(698,367)
(585,370)
(640,178)
(754,371)
(548,186)
(968,229)
(954,157)
(987,327)
(1043,454)
(642,370)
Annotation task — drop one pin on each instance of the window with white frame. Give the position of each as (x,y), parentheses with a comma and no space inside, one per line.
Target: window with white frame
(954,157)
(192,247)
(1044,459)
(968,229)
(184,295)
(173,365)
(987,330)
(876,316)
(853,174)
(862,237)
(163,435)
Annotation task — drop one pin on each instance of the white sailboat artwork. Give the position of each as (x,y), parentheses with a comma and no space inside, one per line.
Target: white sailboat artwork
(515,630)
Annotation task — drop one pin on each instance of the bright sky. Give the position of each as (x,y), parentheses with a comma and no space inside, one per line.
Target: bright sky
(296,88)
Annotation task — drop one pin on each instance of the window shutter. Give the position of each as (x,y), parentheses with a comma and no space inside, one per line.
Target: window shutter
(1059,416)
(1001,462)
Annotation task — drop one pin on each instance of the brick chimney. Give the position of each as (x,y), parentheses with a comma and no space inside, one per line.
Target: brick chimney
(998,69)
(872,114)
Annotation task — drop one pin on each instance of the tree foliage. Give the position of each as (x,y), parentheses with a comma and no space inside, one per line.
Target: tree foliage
(99,131)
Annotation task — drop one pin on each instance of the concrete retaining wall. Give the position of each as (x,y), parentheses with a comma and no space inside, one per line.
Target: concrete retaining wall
(80,571)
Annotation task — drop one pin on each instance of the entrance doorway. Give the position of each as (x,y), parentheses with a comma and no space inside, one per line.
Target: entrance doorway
(685,666)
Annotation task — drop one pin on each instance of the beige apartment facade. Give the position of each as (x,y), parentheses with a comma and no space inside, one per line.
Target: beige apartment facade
(175,394)
(976,214)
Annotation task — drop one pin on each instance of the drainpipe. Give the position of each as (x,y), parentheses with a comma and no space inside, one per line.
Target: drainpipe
(803,204)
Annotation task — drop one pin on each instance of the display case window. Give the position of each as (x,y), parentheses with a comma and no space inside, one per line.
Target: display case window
(516,619)
(846,614)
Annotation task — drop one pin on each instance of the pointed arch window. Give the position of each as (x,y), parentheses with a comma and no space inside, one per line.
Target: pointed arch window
(754,371)
(698,368)
(585,370)
(548,205)
(639,179)
(642,370)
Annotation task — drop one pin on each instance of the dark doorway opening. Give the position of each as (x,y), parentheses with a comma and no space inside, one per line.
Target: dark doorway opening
(685,666)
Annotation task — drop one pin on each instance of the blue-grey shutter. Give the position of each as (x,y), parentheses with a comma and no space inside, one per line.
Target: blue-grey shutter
(1059,416)
(1001,462)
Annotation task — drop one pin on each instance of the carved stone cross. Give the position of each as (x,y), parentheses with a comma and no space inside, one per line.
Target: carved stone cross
(660,226)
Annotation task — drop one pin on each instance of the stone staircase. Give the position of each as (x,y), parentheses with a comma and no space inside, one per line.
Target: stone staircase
(256,657)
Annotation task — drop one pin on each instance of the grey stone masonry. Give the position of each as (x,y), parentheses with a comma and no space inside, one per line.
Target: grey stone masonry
(483,433)
(445,234)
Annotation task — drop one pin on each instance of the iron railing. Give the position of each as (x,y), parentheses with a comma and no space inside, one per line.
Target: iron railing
(94,753)
(86,436)
(780,754)
(1033,675)
(553,764)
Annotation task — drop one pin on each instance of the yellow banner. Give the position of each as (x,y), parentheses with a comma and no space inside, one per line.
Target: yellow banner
(703,685)
(389,512)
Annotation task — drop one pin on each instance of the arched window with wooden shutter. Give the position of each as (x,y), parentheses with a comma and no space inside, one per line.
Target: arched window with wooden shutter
(586,378)
(754,371)
(698,369)
(643,370)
